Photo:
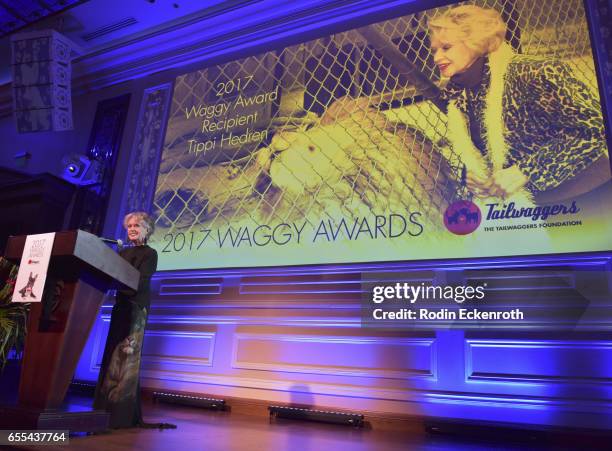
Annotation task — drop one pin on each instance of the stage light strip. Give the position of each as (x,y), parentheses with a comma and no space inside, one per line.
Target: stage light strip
(186,400)
(323,416)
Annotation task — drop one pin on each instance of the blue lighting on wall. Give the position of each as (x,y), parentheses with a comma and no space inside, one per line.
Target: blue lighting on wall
(539,374)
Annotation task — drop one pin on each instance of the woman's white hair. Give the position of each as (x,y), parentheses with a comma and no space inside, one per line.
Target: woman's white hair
(146,222)
(481,29)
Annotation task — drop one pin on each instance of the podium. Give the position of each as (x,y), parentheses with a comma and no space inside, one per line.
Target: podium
(81,270)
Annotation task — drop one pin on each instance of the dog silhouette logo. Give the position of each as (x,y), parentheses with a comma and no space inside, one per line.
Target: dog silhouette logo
(462,217)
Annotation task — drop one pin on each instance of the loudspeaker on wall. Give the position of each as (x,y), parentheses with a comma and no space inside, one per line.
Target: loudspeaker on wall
(41,81)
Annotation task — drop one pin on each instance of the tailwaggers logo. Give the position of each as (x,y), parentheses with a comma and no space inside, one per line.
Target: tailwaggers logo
(463,217)
(535,213)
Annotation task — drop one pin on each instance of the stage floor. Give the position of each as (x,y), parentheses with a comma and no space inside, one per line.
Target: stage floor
(200,429)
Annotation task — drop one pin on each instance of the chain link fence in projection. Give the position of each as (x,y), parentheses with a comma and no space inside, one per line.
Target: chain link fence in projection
(336,127)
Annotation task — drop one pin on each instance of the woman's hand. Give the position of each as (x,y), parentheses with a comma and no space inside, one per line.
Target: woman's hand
(477,185)
(502,183)
(344,107)
(506,182)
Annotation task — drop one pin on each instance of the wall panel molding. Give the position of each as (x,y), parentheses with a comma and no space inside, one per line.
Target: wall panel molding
(537,361)
(171,348)
(375,357)
(166,347)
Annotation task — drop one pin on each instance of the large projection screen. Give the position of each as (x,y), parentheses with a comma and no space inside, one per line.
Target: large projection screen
(357,147)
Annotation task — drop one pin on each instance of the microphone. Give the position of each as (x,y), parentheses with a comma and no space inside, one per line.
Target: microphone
(118,242)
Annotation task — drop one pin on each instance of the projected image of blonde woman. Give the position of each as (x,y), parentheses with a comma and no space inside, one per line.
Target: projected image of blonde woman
(522,125)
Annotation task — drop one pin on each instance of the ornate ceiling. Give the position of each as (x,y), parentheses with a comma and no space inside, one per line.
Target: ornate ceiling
(17,14)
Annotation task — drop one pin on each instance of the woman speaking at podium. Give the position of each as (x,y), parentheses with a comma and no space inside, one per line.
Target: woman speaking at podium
(118,389)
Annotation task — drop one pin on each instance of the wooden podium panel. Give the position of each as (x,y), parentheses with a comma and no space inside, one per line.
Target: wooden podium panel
(81,270)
